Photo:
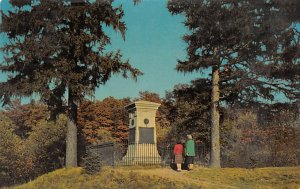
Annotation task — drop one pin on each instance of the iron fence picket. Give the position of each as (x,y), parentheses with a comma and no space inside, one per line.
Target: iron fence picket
(117,154)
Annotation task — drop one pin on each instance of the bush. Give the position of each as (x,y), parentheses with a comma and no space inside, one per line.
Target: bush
(247,144)
(91,163)
(27,158)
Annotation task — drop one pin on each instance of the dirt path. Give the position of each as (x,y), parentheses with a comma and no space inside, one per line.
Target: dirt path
(182,176)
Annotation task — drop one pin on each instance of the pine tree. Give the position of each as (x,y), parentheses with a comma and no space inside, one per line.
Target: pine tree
(251,49)
(57,50)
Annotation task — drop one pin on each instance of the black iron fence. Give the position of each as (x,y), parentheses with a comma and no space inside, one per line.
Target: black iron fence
(126,154)
(105,151)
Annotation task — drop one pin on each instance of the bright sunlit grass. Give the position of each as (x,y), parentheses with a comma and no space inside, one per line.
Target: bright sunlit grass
(159,178)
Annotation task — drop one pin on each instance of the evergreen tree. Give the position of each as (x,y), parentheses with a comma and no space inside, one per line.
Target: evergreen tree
(189,111)
(251,47)
(57,50)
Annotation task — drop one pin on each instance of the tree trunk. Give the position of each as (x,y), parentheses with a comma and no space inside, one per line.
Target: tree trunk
(71,143)
(215,161)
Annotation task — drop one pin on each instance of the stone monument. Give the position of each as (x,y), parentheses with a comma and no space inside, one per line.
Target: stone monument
(142,147)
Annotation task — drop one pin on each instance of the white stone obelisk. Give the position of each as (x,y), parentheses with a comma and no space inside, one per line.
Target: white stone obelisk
(142,142)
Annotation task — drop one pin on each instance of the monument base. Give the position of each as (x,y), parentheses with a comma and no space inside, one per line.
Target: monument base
(141,154)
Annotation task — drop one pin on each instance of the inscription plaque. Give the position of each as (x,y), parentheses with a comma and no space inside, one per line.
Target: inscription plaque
(146,135)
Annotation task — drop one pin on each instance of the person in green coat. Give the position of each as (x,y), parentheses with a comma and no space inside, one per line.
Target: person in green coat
(190,152)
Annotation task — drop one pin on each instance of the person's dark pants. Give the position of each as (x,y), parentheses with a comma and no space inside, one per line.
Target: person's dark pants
(189,161)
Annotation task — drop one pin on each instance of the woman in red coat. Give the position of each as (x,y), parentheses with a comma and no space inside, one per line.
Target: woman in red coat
(178,150)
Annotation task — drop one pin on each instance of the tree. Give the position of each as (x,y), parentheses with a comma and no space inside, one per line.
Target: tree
(104,121)
(149,96)
(281,126)
(8,144)
(24,159)
(250,47)
(26,116)
(57,50)
(190,109)
(260,137)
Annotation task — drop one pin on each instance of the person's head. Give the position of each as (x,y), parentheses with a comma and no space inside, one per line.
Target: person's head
(189,137)
(182,141)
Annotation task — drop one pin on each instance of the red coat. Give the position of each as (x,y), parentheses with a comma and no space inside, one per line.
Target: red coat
(178,149)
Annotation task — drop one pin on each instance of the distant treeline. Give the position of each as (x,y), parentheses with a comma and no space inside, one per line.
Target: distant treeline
(32,145)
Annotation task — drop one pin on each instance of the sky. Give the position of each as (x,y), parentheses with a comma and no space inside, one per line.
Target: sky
(153,44)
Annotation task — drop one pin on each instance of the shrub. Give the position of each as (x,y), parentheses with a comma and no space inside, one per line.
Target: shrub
(27,158)
(91,163)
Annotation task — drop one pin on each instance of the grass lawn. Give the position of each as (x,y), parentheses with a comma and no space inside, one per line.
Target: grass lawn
(159,178)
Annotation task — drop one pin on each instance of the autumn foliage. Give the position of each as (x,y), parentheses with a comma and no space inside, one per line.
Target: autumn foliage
(32,145)
(103,121)
(23,159)
(249,141)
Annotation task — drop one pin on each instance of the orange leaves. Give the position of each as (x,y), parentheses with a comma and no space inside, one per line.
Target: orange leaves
(26,117)
(103,120)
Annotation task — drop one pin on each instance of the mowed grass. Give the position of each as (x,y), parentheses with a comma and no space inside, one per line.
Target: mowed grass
(279,177)
(106,179)
(160,178)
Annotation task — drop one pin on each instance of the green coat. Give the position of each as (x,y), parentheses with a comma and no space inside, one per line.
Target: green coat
(190,148)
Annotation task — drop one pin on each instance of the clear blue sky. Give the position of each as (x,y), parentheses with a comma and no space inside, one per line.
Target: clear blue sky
(153,44)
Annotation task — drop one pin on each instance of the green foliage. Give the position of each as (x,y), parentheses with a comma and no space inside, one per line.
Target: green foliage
(8,144)
(37,154)
(188,110)
(91,163)
(250,47)
(253,44)
(75,48)
(47,143)
(57,49)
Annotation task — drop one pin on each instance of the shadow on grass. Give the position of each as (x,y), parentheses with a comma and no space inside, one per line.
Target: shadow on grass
(173,166)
